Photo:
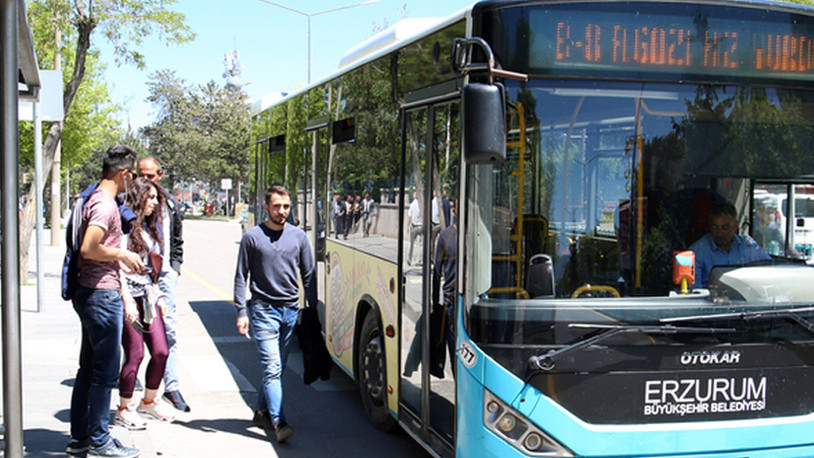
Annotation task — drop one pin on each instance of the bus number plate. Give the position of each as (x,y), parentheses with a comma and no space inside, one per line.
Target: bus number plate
(467,354)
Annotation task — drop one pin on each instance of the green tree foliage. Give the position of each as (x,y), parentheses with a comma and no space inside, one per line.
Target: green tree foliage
(123,23)
(88,171)
(91,122)
(201,132)
(223,126)
(91,126)
(169,137)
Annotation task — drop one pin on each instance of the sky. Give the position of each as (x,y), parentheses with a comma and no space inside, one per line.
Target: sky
(271,42)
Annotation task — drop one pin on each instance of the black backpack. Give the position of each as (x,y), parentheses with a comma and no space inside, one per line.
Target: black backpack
(73,240)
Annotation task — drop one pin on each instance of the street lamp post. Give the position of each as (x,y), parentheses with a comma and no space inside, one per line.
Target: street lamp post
(309,15)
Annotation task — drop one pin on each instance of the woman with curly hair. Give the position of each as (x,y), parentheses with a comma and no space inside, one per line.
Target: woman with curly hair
(143,310)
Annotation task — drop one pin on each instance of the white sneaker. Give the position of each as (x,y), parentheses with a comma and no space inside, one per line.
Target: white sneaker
(156,410)
(127,417)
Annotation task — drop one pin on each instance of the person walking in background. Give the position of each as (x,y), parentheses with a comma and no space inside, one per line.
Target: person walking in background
(144,310)
(349,215)
(269,257)
(342,217)
(435,229)
(339,215)
(172,224)
(416,225)
(445,267)
(357,213)
(446,207)
(367,213)
(765,230)
(98,302)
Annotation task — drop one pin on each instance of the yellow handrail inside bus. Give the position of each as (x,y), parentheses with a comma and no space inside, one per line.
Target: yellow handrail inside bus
(589,288)
(517,238)
(509,289)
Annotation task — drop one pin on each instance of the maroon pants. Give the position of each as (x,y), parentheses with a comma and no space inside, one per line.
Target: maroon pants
(133,343)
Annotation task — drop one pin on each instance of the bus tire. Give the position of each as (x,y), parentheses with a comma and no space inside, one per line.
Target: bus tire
(372,376)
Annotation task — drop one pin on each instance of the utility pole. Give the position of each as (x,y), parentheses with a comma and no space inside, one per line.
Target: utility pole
(310,15)
(56,208)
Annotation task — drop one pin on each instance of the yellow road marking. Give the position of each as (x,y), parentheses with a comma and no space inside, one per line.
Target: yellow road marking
(207,285)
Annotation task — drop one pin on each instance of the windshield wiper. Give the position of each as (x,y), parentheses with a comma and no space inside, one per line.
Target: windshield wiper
(547,361)
(791,314)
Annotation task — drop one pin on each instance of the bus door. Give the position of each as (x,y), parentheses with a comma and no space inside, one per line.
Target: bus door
(316,183)
(431,148)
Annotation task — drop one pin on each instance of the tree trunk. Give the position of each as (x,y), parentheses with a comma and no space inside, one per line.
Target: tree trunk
(85,26)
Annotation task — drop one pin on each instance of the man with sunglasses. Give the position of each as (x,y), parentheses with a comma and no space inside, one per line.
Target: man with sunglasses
(98,302)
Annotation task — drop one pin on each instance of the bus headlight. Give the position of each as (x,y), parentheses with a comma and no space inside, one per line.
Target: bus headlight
(515,429)
(533,441)
(507,423)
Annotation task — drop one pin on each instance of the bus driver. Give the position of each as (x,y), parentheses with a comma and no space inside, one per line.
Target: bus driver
(722,246)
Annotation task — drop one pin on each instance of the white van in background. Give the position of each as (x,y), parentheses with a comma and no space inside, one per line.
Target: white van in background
(804,225)
(773,199)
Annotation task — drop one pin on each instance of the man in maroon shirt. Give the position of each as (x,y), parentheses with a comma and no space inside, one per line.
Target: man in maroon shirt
(98,302)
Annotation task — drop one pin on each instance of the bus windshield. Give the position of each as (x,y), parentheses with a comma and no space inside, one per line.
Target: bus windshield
(576,231)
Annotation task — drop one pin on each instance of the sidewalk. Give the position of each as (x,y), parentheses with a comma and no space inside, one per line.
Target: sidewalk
(50,351)
(217,369)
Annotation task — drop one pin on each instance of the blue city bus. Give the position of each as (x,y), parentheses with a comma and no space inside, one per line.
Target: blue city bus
(512,206)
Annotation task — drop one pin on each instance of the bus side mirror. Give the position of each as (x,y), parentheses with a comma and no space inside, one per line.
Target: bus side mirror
(484,126)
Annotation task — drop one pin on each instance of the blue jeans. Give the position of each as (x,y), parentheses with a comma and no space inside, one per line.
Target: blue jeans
(272,328)
(168,282)
(100,312)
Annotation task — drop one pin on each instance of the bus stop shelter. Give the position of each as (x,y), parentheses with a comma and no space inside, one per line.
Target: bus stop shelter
(19,80)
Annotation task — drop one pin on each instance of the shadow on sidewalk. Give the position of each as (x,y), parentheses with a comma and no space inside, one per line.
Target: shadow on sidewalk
(44,442)
(219,318)
(238,426)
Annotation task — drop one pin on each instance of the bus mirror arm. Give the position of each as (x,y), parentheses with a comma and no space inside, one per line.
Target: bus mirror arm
(462,56)
(496,72)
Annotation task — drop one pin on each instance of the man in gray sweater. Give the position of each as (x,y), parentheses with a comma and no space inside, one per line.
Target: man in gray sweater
(270,255)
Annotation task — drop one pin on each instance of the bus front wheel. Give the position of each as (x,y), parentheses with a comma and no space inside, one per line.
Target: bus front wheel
(371,369)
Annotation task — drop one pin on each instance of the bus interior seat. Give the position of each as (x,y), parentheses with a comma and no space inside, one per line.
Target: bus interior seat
(540,277)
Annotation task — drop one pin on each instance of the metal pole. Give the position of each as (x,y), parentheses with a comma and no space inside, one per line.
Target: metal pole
(309,49)
(67,202)
(9,205)
(38,185)
(56,208)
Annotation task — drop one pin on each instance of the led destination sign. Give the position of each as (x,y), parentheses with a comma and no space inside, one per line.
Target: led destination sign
(689,45)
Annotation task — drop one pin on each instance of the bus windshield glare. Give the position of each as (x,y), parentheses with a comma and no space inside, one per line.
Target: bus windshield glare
(576,232)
